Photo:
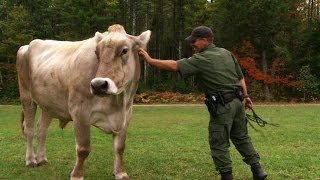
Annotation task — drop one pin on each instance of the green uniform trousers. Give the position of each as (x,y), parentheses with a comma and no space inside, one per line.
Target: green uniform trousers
(230,123)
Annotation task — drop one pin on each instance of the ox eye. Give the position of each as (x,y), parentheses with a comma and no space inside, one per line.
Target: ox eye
(124,51)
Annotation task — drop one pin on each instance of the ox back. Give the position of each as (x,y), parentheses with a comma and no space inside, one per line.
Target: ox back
(89,82)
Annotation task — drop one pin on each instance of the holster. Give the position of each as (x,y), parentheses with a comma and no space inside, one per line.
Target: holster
(239,94)
(211,105)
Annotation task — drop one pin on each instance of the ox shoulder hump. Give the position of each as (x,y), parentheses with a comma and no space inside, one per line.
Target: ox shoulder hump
(35,42)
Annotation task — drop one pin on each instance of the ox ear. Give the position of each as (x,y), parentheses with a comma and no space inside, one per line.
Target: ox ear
(98,36)
(144,38)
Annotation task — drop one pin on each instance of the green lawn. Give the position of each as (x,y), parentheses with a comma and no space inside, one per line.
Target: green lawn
(171,143)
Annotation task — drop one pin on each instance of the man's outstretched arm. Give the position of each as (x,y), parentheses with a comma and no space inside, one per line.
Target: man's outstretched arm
(170,65)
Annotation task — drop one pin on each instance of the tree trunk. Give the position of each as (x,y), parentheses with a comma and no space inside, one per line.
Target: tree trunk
(1,81)
(133,16)
(145,65)
(265,71)
(159,33)
(318,9)
(181,27)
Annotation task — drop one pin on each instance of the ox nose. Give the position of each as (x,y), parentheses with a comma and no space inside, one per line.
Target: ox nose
(99,86)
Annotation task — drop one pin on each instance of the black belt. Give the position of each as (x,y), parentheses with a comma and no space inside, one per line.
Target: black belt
(212,101)
(223,98)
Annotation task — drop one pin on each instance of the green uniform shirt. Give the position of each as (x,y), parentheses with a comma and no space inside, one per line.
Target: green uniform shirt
(215,68)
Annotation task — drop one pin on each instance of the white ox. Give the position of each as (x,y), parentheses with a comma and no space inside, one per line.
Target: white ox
(90,82)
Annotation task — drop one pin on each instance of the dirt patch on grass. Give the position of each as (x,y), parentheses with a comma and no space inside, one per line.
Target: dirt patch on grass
(198,98)
(168,97)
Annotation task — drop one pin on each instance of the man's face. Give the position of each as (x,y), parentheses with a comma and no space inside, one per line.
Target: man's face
(199,44)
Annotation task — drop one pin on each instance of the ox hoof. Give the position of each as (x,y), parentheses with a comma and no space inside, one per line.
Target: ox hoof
(122,176)
(31,164)
(42,162)
(76,178)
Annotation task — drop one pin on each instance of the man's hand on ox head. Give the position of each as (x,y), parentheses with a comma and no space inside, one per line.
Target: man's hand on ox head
(141,51)
(144,54)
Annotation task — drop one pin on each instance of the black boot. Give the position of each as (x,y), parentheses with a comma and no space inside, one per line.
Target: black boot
(257,172)
(226,175)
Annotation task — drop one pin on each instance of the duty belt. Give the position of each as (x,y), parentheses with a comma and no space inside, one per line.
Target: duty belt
(223,98)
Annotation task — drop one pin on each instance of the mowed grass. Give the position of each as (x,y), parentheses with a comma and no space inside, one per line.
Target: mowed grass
(171,143)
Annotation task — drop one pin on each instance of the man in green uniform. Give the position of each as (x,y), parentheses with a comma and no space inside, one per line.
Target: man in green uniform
(221,79)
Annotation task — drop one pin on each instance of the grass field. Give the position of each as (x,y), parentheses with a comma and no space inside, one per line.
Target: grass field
(171,143)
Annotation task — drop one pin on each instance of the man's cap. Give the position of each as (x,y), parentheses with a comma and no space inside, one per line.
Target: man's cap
(200,32)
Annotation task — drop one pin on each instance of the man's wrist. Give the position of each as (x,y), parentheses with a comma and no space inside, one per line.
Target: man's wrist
(149,60)
(246,96)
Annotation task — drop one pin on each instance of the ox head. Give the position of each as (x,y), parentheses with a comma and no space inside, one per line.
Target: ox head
(118,65)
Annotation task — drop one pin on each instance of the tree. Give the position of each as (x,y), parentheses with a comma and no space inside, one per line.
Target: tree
(77,20)
(284,34)
(260,22)
(16,31)
(305,46)
(308,85)
(279,78)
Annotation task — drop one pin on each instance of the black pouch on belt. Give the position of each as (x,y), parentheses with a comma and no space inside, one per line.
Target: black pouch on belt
(239,94)
(211,103)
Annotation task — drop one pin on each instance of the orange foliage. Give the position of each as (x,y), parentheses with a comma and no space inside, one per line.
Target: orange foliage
(246,56)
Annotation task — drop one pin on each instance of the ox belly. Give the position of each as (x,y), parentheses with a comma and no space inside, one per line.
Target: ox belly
(53,104)
(50,97)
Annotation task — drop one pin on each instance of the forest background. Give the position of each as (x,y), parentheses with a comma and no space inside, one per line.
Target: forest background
(277,42)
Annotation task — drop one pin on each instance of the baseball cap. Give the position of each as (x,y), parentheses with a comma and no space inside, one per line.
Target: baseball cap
(200,32)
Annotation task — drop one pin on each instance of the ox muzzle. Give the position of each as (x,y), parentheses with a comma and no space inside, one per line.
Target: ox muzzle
(103,86)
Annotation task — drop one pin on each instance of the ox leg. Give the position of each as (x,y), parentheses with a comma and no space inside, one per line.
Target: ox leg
(118,147)
(29,112)
(82,133)
(43,126)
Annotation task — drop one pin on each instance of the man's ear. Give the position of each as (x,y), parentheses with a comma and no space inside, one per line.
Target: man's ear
(204,40)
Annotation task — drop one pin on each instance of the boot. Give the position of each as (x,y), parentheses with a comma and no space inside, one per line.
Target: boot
(226,175)
(257,171)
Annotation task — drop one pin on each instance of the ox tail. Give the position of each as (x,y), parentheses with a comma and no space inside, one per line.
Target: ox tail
(22,125)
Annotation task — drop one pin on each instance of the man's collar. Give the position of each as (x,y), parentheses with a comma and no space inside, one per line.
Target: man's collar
(211,45)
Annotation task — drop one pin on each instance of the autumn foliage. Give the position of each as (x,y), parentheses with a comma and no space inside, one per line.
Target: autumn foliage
(247,58)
